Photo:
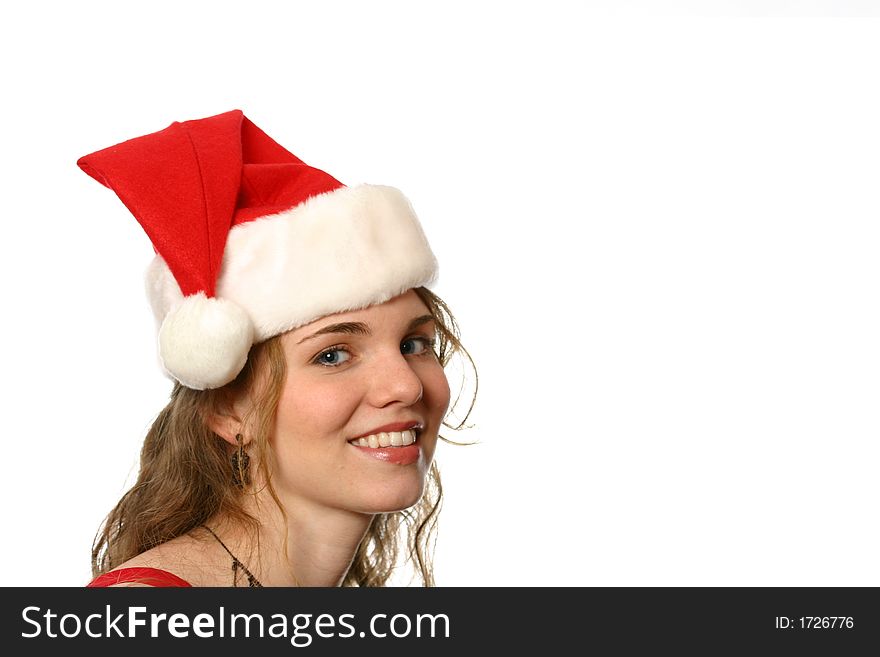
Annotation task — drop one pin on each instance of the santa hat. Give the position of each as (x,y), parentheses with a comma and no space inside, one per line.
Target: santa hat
(251,241)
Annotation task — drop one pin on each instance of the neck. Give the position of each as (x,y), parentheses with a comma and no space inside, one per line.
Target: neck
(321,544)
(313,547)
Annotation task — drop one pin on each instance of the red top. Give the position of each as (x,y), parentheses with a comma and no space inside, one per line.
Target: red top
(150,576)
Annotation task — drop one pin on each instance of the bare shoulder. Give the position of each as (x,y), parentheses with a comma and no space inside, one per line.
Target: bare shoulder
(181,557)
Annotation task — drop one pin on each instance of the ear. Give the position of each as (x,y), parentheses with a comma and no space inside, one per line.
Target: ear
(225,426)
(227,421)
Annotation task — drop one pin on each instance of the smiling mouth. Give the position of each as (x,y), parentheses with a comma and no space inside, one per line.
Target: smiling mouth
(387,439)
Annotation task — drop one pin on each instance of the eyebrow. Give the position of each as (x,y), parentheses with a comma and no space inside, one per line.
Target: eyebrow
(359,328)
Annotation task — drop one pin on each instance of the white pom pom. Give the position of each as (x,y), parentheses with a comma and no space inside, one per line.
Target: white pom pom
(204,343)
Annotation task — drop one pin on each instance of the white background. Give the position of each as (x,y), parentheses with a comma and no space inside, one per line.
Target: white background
(657,224)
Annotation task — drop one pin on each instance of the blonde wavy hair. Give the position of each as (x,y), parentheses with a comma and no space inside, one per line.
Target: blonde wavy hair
(185,475)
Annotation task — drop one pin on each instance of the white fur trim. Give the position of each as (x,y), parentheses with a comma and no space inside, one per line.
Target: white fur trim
(204,343)
(344,250)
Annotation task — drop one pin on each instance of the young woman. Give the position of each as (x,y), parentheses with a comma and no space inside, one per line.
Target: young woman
(308,357)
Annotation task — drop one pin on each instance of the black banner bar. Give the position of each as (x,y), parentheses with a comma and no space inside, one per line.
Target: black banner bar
(837,621)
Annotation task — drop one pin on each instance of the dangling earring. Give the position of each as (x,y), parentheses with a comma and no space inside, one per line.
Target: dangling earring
(240,461)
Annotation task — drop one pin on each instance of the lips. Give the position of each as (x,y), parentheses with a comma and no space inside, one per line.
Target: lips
(394,426)
(403,455)
(387,439)
(395,443)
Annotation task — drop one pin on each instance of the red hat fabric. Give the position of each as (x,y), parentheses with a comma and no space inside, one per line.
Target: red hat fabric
(251,241)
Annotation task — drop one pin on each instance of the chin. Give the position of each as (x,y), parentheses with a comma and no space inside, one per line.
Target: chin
(390,501)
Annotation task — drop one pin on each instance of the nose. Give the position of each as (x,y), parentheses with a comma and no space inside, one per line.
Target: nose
(393,380)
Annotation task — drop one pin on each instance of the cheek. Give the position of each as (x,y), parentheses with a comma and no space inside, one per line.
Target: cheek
(309,409)
(436,391)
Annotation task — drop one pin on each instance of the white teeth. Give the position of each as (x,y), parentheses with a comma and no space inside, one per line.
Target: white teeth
(390,439)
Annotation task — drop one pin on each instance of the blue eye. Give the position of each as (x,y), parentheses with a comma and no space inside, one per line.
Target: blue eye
(332,357)
(427,344)
(336,356)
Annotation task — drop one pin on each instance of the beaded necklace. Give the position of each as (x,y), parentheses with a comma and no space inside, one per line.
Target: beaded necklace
(236,564)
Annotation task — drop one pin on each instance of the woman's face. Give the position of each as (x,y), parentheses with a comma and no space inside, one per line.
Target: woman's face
(368,373)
